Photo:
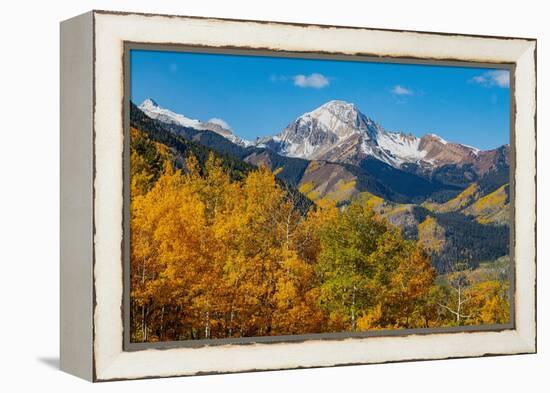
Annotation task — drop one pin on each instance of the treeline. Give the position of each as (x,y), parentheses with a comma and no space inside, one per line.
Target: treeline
(215,256)
(469,242)
(466,240)
(201,142)
(178,148)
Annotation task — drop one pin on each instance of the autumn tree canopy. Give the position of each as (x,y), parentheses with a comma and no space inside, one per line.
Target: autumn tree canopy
(217,257)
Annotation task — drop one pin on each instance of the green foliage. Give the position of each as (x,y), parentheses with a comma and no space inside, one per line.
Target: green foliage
(345,261)
(396,185)
(147,162)
(371,278)
(456,175)
(469,241)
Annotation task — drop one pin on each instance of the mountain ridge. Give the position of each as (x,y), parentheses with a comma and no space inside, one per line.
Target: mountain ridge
(292,169)
(155,111)
(338,131)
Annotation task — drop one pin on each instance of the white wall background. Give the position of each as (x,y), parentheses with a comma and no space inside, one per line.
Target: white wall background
(29,183)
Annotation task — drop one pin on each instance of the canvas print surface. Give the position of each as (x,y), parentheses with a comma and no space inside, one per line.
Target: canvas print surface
(276,196)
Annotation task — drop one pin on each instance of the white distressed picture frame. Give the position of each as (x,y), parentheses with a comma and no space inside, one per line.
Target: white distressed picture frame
(92,140)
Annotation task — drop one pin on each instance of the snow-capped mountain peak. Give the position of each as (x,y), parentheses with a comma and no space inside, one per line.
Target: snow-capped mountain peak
(219,126)
(314,134)
(337,131)
(338,117)
(148,103)
(154,111)
(343,111)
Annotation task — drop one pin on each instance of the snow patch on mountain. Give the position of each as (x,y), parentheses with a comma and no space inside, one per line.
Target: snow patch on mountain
(222,123)
(443,141)
(338,117)
(403,148)
(217,125)
(475,150)
(154,111)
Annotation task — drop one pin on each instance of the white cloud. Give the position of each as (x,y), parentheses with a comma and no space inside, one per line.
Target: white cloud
(220,122)
(315,80)
(500,78)
(401,91)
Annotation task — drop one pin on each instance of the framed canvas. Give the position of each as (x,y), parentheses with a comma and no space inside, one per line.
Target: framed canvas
(246,195)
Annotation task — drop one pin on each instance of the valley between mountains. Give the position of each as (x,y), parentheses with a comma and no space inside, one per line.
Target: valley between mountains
(453,198)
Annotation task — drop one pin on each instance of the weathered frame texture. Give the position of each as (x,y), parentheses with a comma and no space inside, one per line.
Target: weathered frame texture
(93,91)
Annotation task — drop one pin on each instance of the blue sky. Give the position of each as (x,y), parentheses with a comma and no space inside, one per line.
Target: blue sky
(259,96)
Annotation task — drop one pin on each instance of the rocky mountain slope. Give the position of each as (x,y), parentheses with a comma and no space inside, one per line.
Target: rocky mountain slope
(338,132)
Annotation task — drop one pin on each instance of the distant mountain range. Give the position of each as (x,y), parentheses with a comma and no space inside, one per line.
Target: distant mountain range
(452,197)
(154,111)
(346,144)
(338,132)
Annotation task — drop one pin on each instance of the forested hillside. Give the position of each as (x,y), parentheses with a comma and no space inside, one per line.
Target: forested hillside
(223,248)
